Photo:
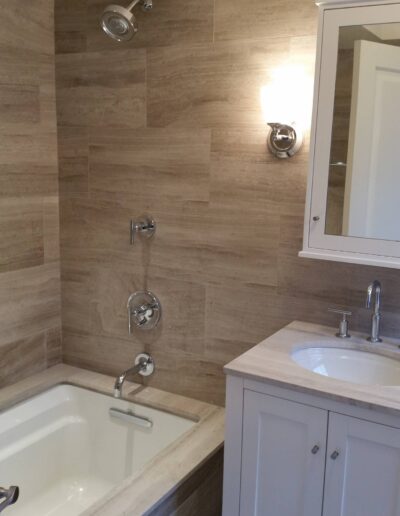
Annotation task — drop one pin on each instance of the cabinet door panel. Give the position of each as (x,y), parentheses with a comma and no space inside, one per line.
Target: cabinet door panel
(281,473)
(364,479)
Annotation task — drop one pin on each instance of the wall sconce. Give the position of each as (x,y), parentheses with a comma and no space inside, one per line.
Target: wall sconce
(286,106)
(284,140)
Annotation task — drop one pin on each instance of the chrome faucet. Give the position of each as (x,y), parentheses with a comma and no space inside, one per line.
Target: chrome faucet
(375,288)
(8,496)
(144,365)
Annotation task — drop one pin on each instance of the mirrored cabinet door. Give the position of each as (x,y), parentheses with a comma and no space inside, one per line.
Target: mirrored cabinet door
(353,209)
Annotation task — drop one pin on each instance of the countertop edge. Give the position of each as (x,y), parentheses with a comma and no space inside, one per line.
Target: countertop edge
(276,350)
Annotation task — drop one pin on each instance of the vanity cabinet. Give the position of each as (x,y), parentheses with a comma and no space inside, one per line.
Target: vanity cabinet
(293,457)
(283,448)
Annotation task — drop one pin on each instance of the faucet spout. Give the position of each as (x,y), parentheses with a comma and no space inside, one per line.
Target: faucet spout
(120,380)
(144,365)
(375,289)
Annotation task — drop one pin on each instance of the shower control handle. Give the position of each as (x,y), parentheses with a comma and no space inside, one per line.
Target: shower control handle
(144,311)
(145,226)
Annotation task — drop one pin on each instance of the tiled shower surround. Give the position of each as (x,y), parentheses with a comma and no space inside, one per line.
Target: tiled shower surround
(170,124)
(30,322)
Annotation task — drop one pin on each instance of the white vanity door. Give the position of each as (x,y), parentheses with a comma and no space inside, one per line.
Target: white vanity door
(364,478)
(283,457)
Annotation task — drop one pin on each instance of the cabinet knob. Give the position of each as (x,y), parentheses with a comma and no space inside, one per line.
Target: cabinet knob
(315,449)
(335,455)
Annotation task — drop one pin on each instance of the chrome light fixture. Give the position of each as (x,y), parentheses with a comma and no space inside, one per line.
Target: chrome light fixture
(284,140)
(286,106)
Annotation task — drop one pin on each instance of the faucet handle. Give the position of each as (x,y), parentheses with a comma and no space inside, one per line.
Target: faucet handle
(144,311)
(343,332)
(144,226)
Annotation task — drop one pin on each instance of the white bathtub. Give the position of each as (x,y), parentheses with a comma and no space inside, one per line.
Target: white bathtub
(65,451)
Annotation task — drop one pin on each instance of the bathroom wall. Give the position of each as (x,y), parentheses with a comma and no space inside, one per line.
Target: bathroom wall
(30,329)
(170,124)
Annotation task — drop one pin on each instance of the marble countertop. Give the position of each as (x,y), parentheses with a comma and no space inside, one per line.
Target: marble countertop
(271,362)
(141,492)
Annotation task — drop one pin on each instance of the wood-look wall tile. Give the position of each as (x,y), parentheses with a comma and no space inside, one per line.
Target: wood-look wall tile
(111,290)
(111,70)
(73,159)
(96,231)
(22,358)
(29,289)
(22,234)
(180,248)
(71,19)
(22,66)
(246,316)
(108,355)
(27,179)
(29,30)
(182,324)
(274,18)
(73,222)
(102,89)
(127,165)
(238,317)
(196,376)
(53,346)
(51,229)
(30,147)
(210,85)
(48,97)
(29,302)
(183,321)
(305,278)
(93,106)
(175,22)
(244,213)
(75,297)
(19,103)
(233,231)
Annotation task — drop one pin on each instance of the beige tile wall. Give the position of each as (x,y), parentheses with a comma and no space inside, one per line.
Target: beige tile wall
(30,330)
(170,123)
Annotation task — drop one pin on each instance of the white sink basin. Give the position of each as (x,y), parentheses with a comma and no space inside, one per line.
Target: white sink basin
(350,365)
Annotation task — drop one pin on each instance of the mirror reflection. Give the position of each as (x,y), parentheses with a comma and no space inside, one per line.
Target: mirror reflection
(363,197)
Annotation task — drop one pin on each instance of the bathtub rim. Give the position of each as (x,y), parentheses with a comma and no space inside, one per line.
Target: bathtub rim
(189,416)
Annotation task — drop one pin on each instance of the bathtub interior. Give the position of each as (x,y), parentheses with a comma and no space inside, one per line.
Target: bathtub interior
(65,451)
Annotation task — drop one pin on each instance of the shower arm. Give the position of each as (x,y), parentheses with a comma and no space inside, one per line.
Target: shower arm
(132,5)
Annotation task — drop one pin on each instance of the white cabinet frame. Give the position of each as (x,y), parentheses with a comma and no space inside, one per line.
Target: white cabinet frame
(316,244)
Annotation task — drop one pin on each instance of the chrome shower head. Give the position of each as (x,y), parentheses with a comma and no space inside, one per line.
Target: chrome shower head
(119,22)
